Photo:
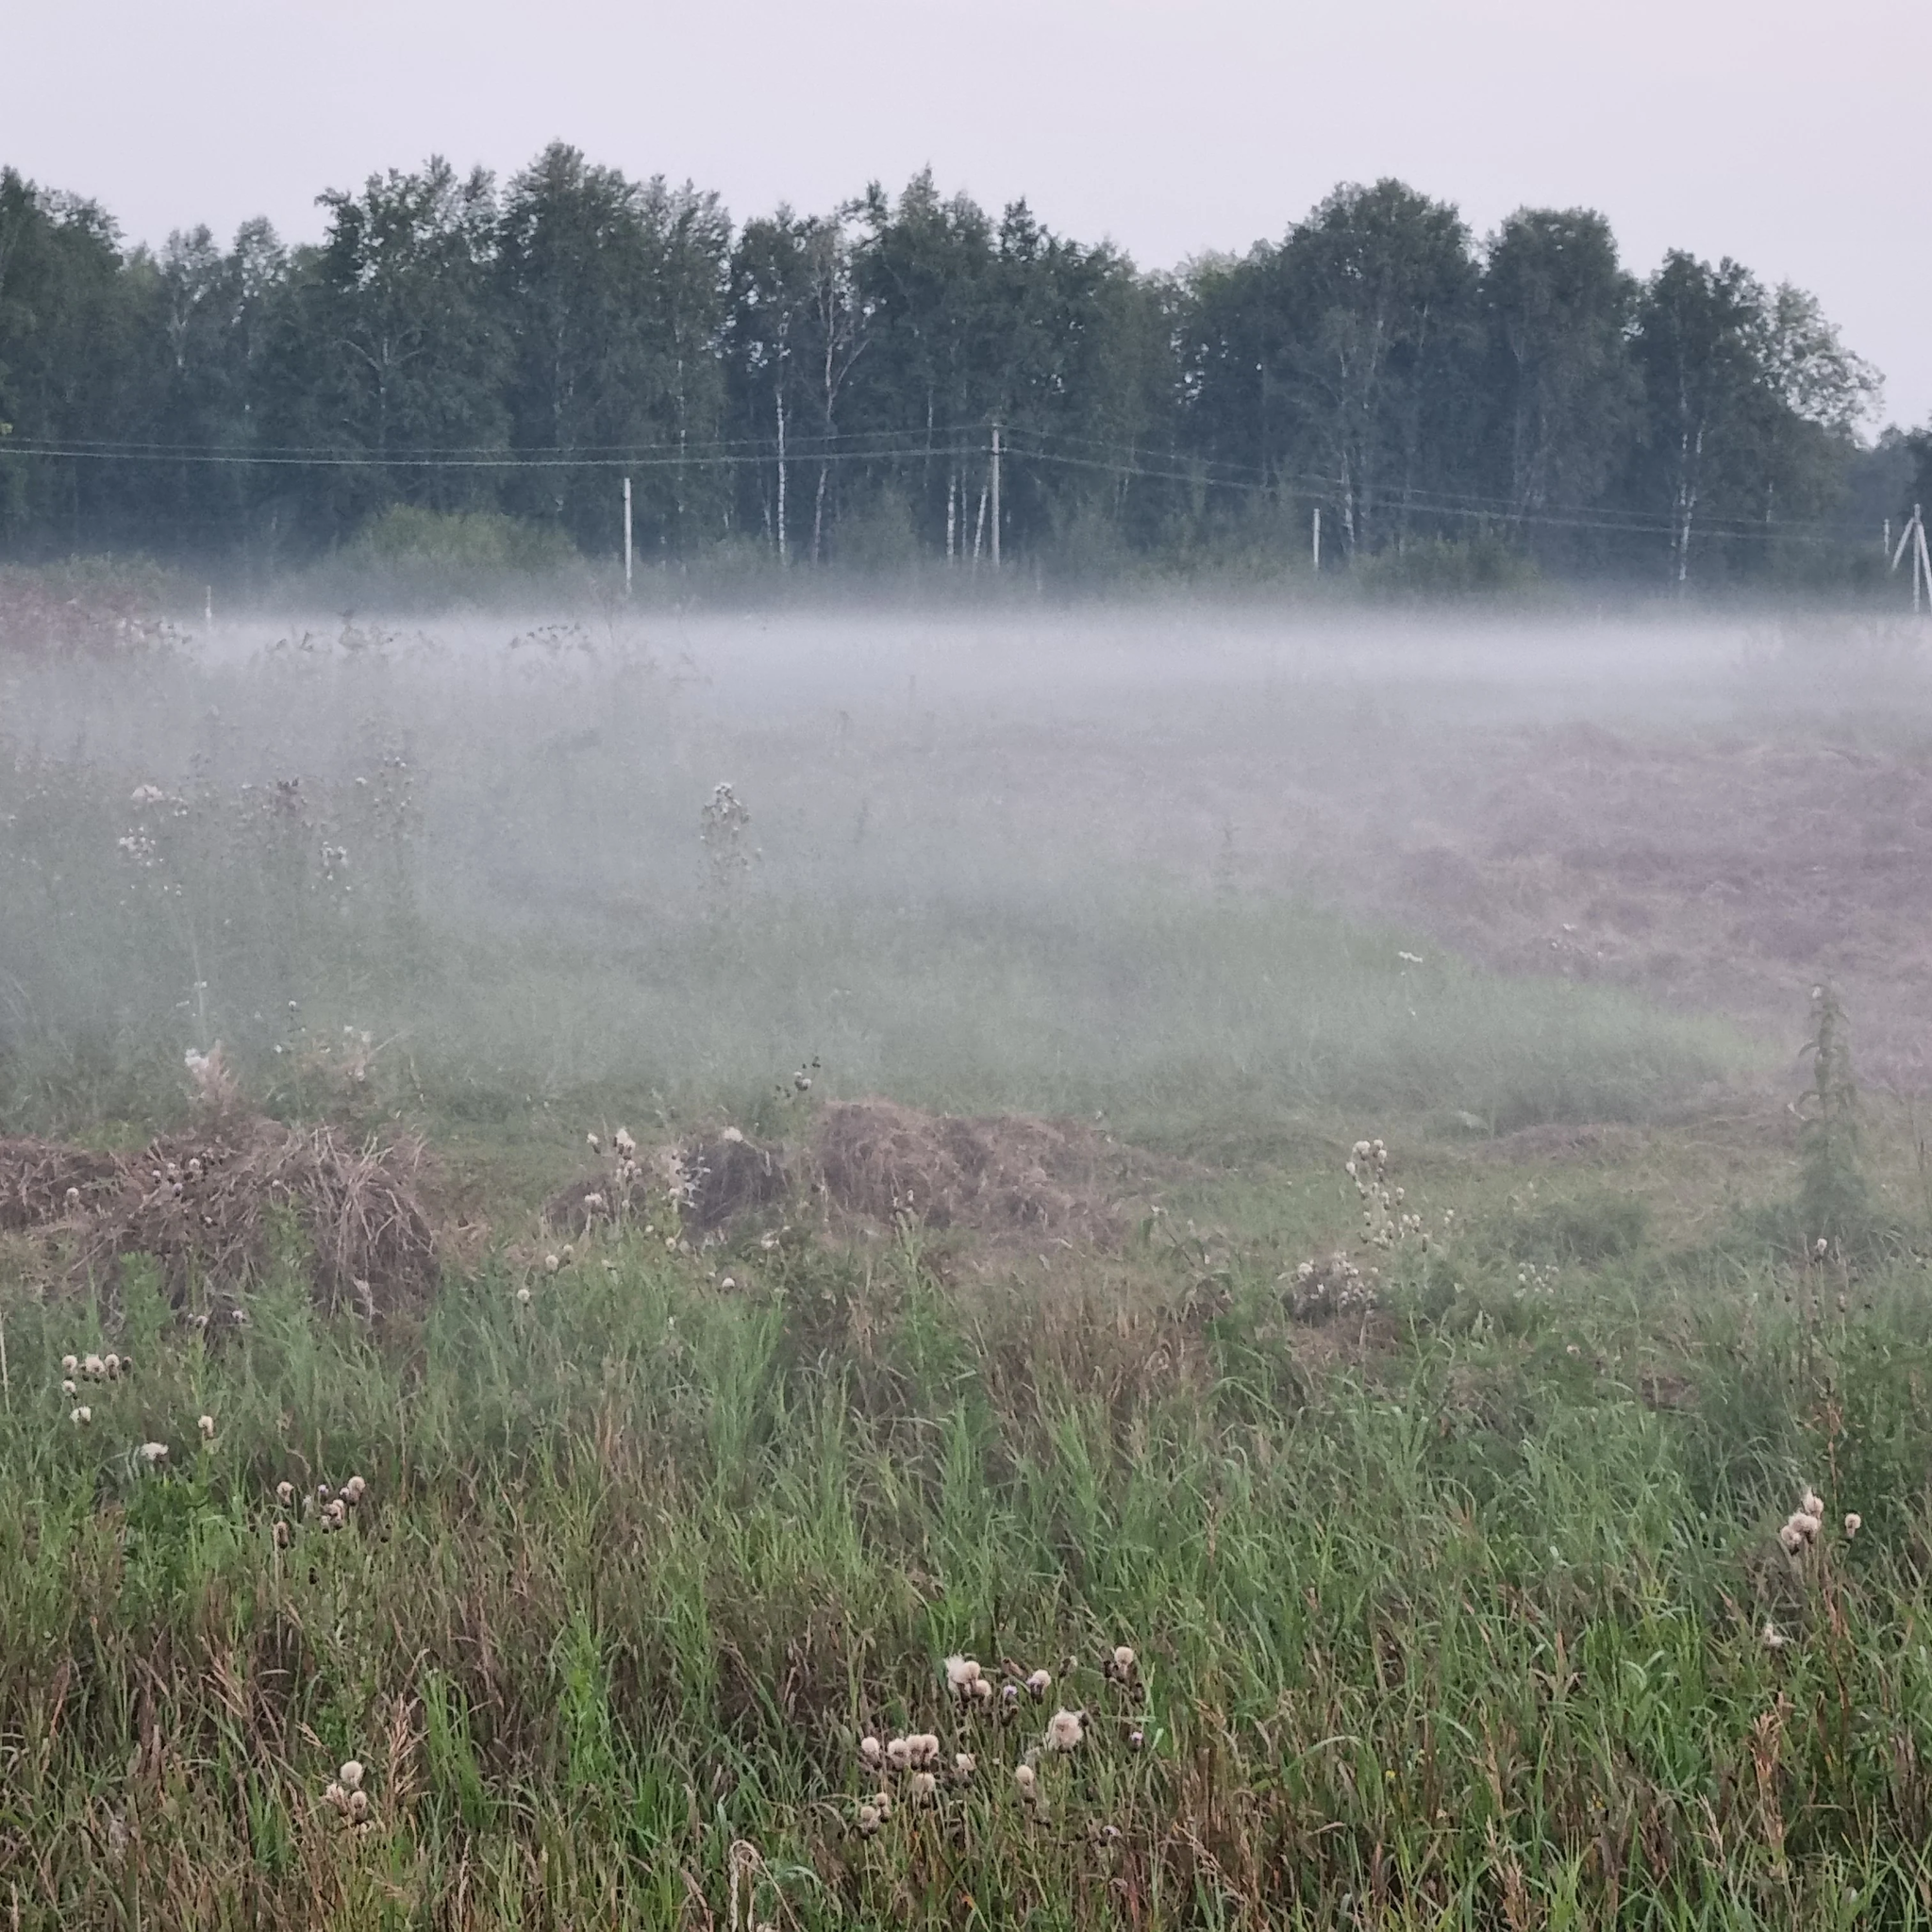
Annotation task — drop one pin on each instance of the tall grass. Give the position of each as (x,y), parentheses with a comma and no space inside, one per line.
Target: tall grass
(1464,1626)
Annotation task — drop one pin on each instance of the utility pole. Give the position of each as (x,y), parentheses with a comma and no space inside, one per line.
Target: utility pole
(995,495)
(1318,536)
(1912,538)
(626,535)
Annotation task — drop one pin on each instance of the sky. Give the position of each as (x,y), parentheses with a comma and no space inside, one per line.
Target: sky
(1785,136)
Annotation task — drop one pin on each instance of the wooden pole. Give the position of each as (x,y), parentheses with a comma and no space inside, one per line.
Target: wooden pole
(626,535)
(995,497)
(1318,536)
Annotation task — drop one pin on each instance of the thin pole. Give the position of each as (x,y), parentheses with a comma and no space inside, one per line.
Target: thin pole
(1318,536)
(1925,568)
(208,610)
(995,497)
(626,535)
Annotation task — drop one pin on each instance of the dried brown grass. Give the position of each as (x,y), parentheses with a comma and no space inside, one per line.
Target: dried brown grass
(205,1205)
(1000,1174)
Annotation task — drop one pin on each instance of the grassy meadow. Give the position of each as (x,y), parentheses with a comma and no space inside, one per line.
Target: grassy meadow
(1428,1420)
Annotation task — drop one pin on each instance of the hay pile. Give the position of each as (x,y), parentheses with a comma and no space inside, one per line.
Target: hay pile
(204,1205)
(1006,1174)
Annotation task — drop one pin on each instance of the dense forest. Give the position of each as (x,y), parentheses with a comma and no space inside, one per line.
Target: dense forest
(831,388)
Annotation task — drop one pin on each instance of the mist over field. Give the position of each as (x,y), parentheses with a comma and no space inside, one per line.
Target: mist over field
(857,1073)
(1164,859)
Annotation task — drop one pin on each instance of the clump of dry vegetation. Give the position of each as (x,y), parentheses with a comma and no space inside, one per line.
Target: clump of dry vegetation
(204,1203)
(1006,1174)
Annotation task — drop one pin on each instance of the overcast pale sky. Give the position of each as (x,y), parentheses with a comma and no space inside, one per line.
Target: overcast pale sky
(1788,136)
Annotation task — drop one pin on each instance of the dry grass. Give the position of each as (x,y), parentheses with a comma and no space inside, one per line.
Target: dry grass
(1006,1174)
(204,1204)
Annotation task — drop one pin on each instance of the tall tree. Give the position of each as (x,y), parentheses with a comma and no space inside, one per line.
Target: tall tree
(1559,386)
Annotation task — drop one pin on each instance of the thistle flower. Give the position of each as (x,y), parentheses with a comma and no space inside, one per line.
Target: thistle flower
(925,1787)
(1808,1525)
(336,1515)
(595,1145)
(1065,1730)
(350,1776)
(624,1145)
(522,1297)
(1812,1503)
(359,1806)
(1853,1524)
(570,1253)
(550,1264)
(207,1425)
(926,1749)
(884,1803)
(1791,1537)
(871,1751)
(961,1675)
(153,1453)
(1122,1661)
(982,1690)
(593,1203)
(95,1369)
(285,1493)
(81,1416)
(1135,1739)
(67,1389)
(354,1491)
(111,1368)
(899,1753)
(1039,1682)
(1028,1782)
(1772,1637)
(69,1364)
(334,1796)
(964,1765)
(869,1820)
(322,1492)
(282,1535)
(1009,1698)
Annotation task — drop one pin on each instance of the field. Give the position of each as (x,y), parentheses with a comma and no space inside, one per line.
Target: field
(785,1152)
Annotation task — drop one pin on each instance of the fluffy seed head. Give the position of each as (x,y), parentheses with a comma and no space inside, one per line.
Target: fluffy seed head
(964,1765)
(285,1493)
(1025,1778)
(1853,1524)
(83,1415)
(334,1795)
(962,1672)
(207,1425)
(899,1753)
(1065,1730)
(550,1264)
(69,1364)
(871,1751)
(111,1368)
(282,1537)
(355,1489)
(94,1368)
(1808,1525)
(1791,1539)
(868,1820)
(982,1690)
(522,1297)
(925,1787)
(1122,1661)
(67,1387)
(1772,1637)
(350,1776)
(1040,1683)
(1811,1503)
(153,1453)
(359,1806)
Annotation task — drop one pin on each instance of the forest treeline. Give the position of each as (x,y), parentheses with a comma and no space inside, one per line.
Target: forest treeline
(825,389)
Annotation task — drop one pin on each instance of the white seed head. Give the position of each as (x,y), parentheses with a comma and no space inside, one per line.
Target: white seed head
(924,1788)
(1040,1683)
(522,1297)
(359,1806)
(207,1425)
(350,1776)
(82,1416)
(961,1671)
(1791,1539)
(1853,1524)
(1808,1525)
(111,1368)
(69,1364)
(285,1493)
(1811,1503)
(67,1389)
(354,1491)
(282,1536)
(871,1751)
(1772,1637)
(964,1765)
(868,1820)
(1122,1661)
(899,1753)
(154,1453)
(550,1264)
(94,1368)
(1065,1730)
(334,1795)
(1025,1776)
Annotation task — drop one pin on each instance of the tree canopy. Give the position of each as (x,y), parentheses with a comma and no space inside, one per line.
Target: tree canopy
(827,386)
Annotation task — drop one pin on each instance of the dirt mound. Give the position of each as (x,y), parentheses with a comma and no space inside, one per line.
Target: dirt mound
(203,1204)
(726,1176)
(1006,1174)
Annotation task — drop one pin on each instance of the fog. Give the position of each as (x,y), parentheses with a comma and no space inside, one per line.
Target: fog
(1182,865)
